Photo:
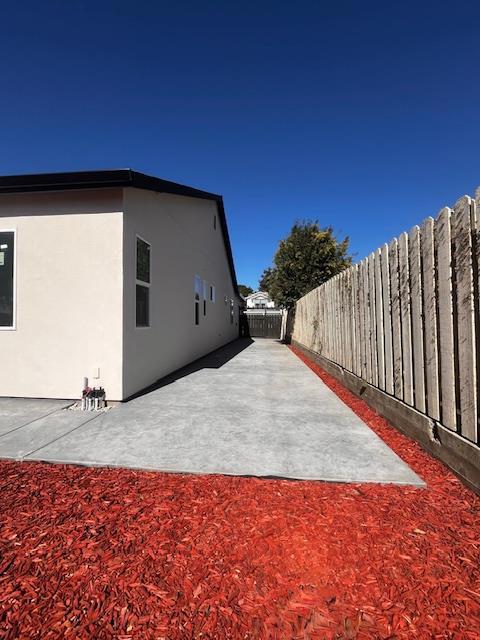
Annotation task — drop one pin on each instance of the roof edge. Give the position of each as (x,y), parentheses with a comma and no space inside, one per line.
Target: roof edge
(111,178)
(102,178)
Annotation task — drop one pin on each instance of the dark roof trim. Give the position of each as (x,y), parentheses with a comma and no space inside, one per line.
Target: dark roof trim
(111,179)
(97,180)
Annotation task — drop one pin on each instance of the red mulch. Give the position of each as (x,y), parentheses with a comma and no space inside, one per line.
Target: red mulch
(115,553)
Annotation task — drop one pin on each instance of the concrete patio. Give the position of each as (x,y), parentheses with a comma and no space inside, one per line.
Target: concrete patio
(250,408)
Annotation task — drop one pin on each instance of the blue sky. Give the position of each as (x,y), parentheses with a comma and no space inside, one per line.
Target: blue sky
(363,115)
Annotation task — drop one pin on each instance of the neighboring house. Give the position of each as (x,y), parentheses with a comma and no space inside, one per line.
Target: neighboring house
(112,275)
(259,300)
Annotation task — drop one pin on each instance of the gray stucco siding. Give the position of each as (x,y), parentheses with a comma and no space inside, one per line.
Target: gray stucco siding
(185,243)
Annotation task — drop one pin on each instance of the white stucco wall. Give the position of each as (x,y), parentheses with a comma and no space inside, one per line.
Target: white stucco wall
(69,290)
(75,290)
(184,243)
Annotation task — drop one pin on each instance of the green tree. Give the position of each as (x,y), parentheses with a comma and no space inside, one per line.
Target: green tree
(306,258)
(266,280)
(244,290)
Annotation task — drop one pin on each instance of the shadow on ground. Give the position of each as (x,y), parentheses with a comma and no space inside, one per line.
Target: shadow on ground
(214,360)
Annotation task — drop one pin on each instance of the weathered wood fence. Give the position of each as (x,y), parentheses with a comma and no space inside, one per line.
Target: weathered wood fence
(407,319)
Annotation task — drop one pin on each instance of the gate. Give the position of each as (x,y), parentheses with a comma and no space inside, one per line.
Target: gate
(262,324)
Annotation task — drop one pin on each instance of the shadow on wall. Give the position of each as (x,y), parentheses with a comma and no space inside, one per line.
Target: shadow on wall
(213,360)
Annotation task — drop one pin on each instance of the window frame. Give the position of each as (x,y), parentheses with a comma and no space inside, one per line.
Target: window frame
(13,326)
(142,283)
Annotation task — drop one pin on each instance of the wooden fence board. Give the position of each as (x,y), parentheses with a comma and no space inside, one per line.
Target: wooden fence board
(396,321)
(366,317)
(445,319)
(462,251)
(340,294)
(346,320)
(330,327)
(417,318)
(335,319)
(430,319)
(354,320)
(358,323)
(387,320)
(346,314)
(405,313)
(379,319)
(373,317)
(318,341)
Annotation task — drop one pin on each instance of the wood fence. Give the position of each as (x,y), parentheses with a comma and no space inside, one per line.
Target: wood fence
(407,318)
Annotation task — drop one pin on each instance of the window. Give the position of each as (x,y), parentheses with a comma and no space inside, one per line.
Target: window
(197,310)
(214,221)
(197,289)
(7,279)
(143,284)
(212,293)
(231,311)
(205,290)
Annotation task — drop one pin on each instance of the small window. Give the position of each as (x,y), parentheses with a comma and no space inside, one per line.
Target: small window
(197,290)
(214,221)
(143,261)
(143,301)
(7,277)
(204,307)
(197,310)
(231,311)
(143,283)
(212,293)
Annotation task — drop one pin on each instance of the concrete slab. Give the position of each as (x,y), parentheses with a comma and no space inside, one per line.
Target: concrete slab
(252,408)
(28,439)
(16,412)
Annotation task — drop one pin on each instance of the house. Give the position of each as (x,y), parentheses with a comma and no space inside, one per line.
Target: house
(113,275)
(259,300)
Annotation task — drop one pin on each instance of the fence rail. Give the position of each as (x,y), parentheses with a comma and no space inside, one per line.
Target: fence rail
(407,318)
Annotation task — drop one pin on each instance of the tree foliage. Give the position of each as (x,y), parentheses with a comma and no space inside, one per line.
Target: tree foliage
(244,290)
(307,258)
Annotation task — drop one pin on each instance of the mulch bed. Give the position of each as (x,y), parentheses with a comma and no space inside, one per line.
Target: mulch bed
(115,553)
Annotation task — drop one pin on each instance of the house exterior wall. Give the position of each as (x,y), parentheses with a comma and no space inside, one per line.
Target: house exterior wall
(184,244)
(69,288)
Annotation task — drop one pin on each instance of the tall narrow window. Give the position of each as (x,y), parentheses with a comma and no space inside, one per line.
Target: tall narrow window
(143,284)
(205,290)
(197,289)
(7,277)
(212,293)
(214,221)
(197,309)
(231,311)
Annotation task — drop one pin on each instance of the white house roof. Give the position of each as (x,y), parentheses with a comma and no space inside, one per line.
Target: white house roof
(258,294)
